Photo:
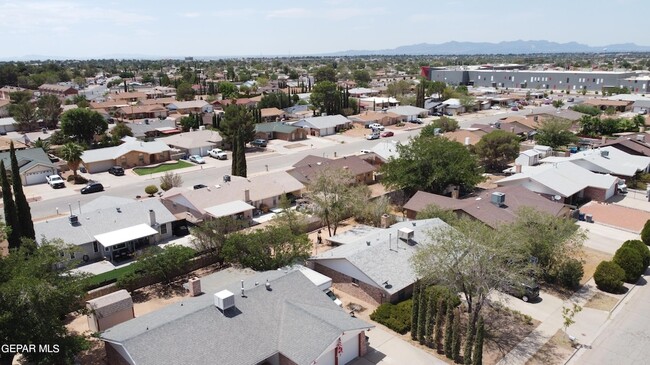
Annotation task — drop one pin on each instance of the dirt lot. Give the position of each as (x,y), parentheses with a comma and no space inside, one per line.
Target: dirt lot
(555,351)
(602,301)
(592,259)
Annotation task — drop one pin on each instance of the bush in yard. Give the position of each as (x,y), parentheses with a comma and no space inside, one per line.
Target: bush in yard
(609,277)
(645,233)
(151,189)
(631,261)
(397,317)
(641,248)
(569,273)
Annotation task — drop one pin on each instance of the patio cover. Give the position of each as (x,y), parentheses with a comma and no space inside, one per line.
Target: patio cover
(125,234)
(234,207)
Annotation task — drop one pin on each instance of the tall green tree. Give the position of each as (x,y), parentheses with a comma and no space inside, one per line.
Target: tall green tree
(432,164)
(35,300)
(440,323)
(415,310)
(325,73)
(449,331)
(242,169)
(23,210)
(71,152)
(555,133)
(83,125)
(49,109)
(25,115)
(422,316)
(325,98)
(456,339)
(11,216)
(361,77)
(469,339)
(430,320)
(184,92)
(496,149)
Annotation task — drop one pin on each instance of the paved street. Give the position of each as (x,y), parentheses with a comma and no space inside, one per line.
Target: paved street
(625,337)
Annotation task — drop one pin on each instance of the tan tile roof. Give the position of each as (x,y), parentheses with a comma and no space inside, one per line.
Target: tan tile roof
(271,112)
(459,135)
(128,95)
(606,102)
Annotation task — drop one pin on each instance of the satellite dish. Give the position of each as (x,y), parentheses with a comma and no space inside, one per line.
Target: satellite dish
(557,198)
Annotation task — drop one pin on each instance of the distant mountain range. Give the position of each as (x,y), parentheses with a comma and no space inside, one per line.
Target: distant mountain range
(447,48)
(509,47)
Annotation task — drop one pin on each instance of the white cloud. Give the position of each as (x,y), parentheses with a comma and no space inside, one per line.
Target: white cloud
(192,15)
(291,13)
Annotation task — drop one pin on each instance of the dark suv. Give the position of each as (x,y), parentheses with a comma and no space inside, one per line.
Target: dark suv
(116,170)
(259,142)
(92,187)
(523,291)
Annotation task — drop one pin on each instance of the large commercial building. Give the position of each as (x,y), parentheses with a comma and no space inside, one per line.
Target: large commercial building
(513,76)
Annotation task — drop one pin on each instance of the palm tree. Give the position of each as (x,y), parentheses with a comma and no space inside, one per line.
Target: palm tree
(44,144)
(71,152)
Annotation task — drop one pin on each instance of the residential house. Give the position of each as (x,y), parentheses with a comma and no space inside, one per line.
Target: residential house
(128,97)
(153,128)
(187,107)
(299,111)
(195,142)
(529,157)
(381,117)
(381,153)
(142,112)
(374,264)
(4,107)
(279,130)
(34,165)
(641,106)
(235,196)
(7,124)
(222,104)
(109,227)
(377,103)
(109,106)
(409,113)
(607,160)
(563,181)
(61,91)
(603,104)
(129,154)
(159,101)
(6,91)
(279,318)
(272,114)
(5,145)
(467,137)
(453,106)
(566,114)
(493,207)
(309,168)
(362,92)
(634,145)
(324,126)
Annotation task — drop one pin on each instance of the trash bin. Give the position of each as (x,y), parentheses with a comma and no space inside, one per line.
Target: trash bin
(581,216)
(589,218)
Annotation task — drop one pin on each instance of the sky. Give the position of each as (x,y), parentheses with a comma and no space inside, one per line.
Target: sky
(100,29)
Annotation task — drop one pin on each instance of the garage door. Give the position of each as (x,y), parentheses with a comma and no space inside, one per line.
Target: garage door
(37,177)
(350,350)
(100,166)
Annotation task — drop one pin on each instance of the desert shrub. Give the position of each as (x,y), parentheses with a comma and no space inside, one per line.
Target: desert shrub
(609,277)
(151,189)
(631,262)
(641,248)
(77,179)
(645,233)
(569,273)
(397,317)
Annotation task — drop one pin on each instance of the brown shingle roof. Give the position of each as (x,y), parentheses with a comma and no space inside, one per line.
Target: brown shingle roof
(480,207)
(305,171)
(459,135)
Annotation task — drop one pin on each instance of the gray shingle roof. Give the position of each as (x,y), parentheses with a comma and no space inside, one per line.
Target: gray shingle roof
(295,319)
(103,219)
(27,159)
(279,127)
(329,121)
(384,259)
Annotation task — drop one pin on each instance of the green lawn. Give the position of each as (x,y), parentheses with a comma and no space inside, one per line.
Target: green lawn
(161,168)
(109,276)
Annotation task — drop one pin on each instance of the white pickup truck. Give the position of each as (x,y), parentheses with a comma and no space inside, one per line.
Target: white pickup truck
(55,181)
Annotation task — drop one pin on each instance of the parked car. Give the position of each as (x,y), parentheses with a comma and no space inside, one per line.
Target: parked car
(92,187)
(570,100)
(449,114)
(218,153)
(259,142)
(372,136)
(621,187)
(523,291)
(514,109)
(387,134)
(197,159)
(495,107)
(437,114)
(55,181)
(377,126)
(116,170)
(416,121)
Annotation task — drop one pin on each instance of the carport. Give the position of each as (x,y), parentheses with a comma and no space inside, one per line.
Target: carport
(122,242)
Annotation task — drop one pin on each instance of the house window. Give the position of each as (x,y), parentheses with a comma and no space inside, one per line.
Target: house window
(163,228)
(355,281)
(95,247)
(72,255)
(141,158)
(106,249)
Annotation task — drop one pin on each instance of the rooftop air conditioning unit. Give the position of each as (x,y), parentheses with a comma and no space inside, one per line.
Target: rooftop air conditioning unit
(224,300)
(405,234)
(498,199)
(74,220)
(604,154)
(226,178)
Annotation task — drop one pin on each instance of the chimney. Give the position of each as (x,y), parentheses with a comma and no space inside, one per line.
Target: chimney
(604,139)
(194,285)
(512,129)
(243,295)
(247,195)
(467,141)
(455,193)
(517,168)
(152,218)
(385,220)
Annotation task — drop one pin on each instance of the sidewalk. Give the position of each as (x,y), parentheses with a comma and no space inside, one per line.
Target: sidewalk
(586,324)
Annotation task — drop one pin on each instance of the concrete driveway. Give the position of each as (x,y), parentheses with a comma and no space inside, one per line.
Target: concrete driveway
(389,349)
(605,238)
(540,309)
